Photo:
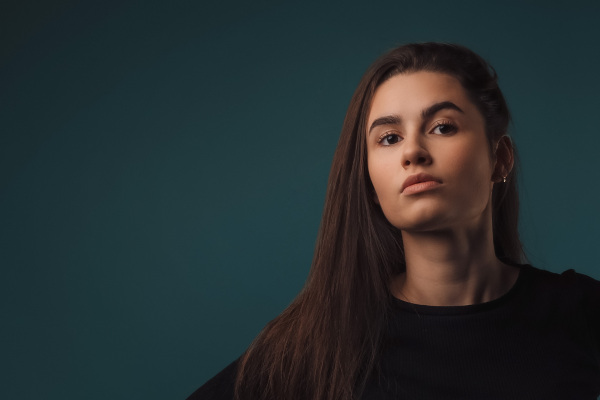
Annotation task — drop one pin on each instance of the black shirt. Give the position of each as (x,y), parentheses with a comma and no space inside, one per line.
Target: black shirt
(541,340)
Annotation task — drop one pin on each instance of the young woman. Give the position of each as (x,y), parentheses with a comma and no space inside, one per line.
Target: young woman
(418,288)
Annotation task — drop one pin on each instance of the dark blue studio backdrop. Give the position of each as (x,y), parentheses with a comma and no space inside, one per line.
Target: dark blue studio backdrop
(163,168)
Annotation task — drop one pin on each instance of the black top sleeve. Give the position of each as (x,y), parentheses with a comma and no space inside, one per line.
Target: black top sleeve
(590,288)
(220,387)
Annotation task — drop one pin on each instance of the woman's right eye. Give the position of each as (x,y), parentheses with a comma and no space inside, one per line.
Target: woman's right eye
(389,139)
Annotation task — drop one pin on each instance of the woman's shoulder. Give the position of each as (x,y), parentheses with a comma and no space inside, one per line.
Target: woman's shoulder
(568,279)
(219,387)
(570,292)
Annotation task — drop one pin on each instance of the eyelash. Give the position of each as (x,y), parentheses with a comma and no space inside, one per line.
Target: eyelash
(437,125)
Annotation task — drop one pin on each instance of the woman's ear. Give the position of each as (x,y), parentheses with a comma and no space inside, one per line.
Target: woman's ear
(504,156)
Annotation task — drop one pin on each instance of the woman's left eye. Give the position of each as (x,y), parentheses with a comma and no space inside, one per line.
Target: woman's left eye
(444,129)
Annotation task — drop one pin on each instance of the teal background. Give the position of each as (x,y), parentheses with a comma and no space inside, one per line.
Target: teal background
(163,168)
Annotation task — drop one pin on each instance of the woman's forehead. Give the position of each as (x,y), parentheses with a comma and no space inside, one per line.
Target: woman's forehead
(410,93)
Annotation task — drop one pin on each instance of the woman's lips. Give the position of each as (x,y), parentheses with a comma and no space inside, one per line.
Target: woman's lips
(420,187)
(417,179)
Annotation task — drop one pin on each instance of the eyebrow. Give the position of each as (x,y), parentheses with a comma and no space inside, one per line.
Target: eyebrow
(425,114)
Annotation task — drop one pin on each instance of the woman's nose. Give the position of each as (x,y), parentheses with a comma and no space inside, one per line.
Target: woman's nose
(414,151)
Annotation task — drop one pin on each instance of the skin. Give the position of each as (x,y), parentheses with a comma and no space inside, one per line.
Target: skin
(446,231)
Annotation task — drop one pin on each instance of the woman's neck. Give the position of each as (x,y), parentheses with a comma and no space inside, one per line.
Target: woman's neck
(452,267)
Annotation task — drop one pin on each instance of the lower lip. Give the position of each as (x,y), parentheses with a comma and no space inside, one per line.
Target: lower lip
(420,187)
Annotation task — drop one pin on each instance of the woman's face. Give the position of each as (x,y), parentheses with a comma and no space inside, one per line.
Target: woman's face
(424,122)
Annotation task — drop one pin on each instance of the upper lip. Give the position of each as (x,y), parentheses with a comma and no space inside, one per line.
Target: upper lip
(417,178)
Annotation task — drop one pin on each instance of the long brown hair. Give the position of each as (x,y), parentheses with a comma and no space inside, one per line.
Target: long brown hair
(325,344)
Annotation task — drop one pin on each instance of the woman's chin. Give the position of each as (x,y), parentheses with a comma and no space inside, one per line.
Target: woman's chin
(423,222)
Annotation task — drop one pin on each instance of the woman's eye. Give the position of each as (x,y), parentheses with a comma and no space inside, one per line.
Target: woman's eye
(444,129)
(389,139)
